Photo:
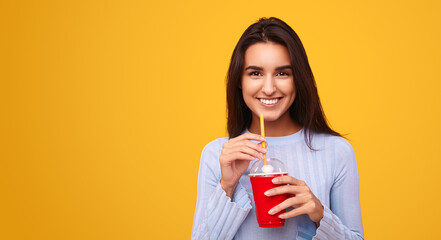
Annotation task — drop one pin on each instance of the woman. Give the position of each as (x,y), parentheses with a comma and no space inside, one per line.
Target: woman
(269,73)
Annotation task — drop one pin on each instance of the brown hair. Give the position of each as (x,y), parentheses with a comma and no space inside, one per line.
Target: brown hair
(306,109)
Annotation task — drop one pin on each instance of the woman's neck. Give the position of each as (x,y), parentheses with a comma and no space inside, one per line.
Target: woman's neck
(278,128)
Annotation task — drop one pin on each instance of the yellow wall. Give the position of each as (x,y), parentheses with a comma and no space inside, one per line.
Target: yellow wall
(106,105)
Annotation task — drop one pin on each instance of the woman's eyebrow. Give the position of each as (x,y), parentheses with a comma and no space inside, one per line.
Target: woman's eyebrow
(277,69)
(254,68)
(283,67)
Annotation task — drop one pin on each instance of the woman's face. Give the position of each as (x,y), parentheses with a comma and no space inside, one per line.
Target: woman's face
(268,82)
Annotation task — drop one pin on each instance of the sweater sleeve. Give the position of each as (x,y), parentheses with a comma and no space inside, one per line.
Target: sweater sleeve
(217,216)
(342,219)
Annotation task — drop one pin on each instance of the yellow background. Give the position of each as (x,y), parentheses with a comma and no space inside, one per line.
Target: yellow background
(106,106)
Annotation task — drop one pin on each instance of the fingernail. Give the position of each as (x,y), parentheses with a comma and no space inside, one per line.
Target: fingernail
(267,193)
(275,180)
(264,150)
(272,211)
(281,215)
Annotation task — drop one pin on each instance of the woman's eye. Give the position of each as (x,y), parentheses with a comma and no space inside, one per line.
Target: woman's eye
(283,74)
(254,73)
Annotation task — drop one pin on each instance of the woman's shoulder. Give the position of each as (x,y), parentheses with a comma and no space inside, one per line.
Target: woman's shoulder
(337,143)
(216,143)
(338,151)
(211,153)
(214,146)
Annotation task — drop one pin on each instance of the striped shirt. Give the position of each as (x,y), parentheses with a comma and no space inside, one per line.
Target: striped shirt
(330,171)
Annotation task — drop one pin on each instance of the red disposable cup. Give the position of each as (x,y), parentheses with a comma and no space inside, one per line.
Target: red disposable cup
(262,183)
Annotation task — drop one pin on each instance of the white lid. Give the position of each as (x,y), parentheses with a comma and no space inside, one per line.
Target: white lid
(273,166)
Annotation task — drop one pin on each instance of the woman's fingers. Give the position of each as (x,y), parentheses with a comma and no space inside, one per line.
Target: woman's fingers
(251,149)
(303,201)
(290,189)
(245,146)
(244,154)
(248,136)
(250,152)
(295,212)
(314,209)
(288,180)
(255,146)
(228,159)
(290,202)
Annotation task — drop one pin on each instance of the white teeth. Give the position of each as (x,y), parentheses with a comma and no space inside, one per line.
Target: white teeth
(269,101)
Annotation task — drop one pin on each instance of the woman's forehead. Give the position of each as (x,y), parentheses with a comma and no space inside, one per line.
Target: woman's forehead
(267,55)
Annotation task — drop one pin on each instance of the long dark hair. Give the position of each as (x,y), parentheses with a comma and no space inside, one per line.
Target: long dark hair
(306,109)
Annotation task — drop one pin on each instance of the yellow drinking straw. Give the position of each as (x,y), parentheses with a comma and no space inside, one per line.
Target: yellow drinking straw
(262,132)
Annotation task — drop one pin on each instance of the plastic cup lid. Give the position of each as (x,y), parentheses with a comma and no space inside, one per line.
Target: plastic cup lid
(273,166)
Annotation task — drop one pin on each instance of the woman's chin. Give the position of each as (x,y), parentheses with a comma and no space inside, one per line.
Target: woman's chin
(271,118)
(275,116)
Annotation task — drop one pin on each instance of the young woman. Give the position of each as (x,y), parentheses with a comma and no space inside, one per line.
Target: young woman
(269,73)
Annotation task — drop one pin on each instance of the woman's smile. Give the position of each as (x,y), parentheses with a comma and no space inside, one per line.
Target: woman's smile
(269,101)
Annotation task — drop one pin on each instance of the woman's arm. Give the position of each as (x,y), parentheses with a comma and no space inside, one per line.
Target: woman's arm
(217,216)
(342,219)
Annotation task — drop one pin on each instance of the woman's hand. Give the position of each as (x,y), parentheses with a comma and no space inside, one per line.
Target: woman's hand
(236,156)
(303,200)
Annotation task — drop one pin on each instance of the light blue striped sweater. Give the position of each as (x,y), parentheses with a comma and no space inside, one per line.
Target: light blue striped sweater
(330,172)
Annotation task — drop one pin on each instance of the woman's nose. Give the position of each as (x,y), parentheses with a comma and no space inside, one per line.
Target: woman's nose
(269,86)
